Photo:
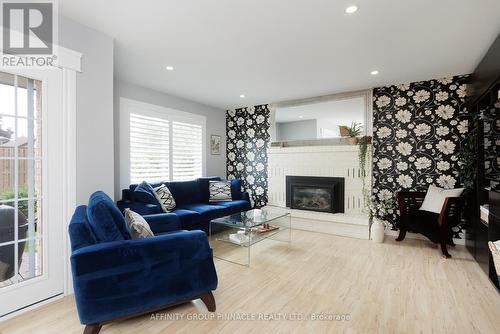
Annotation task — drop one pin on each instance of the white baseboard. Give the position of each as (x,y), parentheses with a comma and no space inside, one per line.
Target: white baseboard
(344,230)
(30,307)
(353,226)
(345,225)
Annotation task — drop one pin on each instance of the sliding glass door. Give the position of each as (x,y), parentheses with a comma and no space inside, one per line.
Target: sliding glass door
(30,217)
(20,179)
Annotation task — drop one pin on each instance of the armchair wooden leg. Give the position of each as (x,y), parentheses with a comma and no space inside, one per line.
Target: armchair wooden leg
(92,329)
(444,250)
(402,235)
(444,237)
(209,301)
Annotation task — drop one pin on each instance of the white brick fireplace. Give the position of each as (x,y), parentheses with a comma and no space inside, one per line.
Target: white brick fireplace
(329,161)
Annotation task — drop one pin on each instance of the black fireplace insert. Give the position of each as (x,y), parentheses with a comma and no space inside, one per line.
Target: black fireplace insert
(315,193)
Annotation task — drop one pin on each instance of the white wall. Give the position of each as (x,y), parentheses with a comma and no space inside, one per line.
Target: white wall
(94,128)
(98,112)
(216,123)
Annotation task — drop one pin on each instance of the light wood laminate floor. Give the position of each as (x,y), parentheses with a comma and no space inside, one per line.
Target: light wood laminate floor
(384,288)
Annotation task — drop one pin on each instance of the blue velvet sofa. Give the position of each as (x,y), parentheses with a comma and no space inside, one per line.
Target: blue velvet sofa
(115,277)
(193,210)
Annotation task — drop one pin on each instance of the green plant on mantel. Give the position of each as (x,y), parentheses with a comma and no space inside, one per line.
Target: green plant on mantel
(355,129)
(364,156)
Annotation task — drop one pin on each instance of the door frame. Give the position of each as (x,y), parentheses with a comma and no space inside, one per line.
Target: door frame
(69,63)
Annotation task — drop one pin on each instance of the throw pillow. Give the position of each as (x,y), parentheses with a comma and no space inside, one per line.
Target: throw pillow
(165,197)
(203,185)
(219,191)
(137,226)
(435,197)
(145,193)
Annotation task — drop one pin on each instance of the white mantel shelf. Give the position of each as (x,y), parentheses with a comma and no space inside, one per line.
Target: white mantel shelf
(313,149)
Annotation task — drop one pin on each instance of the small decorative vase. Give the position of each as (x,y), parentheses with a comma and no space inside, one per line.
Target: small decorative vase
(378,230)
(344,131)
(353,140)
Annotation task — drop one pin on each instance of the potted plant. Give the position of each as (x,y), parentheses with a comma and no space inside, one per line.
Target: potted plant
(344,130)
(379,209)
(354,131)
(364,156)
(364,152)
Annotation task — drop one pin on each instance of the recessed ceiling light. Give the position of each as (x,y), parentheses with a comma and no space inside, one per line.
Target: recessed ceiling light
(301,116)
(374,72)
(242,96)
(169,68)
(351,9)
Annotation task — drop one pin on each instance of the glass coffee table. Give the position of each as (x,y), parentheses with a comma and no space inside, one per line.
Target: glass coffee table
(232,237)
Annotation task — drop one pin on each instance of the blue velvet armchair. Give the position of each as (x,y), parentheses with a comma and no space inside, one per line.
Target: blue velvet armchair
(115,277)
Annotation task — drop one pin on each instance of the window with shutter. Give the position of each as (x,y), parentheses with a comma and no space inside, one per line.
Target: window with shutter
(187,151)
(160,144)
(149,148)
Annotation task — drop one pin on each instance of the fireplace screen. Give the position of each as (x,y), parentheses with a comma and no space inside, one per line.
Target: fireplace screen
(312,198)
(315,193)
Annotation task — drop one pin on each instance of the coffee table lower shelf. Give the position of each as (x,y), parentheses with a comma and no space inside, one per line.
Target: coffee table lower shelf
(227,246)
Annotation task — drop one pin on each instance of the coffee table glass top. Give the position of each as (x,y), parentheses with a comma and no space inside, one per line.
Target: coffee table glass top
(249,219)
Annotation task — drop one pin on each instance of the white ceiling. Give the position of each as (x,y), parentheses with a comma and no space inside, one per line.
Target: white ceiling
(339,111)
(274,50)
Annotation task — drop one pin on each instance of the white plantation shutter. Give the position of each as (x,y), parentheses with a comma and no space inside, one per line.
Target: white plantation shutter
(160,144)
(187,157)
(149,148)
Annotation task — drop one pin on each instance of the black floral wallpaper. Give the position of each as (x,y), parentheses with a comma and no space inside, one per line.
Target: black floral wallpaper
(247,140)
(491,118)
(417,131)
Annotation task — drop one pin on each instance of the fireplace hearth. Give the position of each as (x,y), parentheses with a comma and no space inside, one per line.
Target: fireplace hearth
(315,193)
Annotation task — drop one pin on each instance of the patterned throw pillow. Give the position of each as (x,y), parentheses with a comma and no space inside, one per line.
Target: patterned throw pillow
(165,197)
(137,226)
(219,191)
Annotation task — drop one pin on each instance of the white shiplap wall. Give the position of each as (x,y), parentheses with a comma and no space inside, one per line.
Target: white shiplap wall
(333,161)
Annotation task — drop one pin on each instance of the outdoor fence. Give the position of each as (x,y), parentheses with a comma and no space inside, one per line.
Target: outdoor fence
(7,168)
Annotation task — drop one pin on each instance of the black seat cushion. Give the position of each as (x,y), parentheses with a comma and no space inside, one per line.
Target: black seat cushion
(420,221)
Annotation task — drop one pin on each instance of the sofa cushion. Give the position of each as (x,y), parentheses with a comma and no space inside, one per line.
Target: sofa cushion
(185,192)
(207,211)
(236,193)
(233,206)
(145,193)
(203,185)
(127,195)
(105,218)
(188,216)
(163,222)
(202,226)
(175,220)
(140,208)
(80,233)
